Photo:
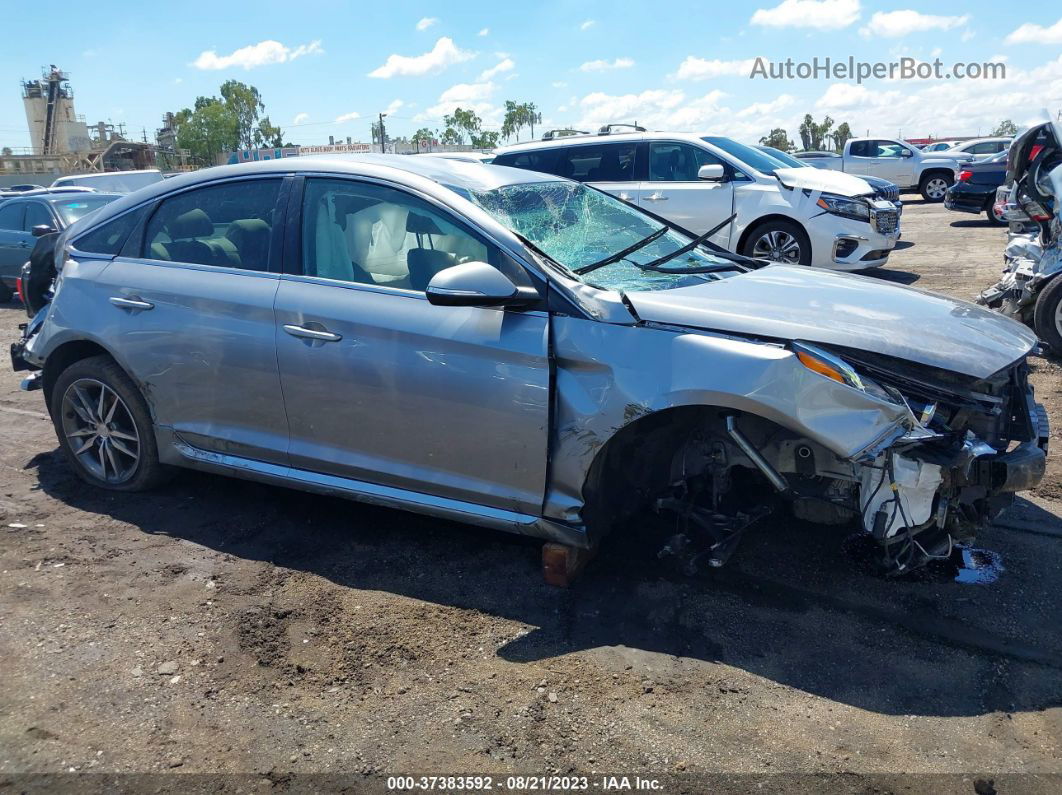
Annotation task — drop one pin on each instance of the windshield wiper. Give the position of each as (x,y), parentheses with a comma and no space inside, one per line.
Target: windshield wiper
(621,254)
(656,263)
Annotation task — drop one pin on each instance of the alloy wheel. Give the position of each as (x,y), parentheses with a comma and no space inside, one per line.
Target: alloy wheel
(777,246)
(936,188)
(100,431)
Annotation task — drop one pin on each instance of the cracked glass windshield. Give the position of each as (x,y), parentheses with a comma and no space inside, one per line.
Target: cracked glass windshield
(600,240)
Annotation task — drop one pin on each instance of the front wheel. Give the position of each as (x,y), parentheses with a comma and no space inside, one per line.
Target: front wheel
(933,187)
(995,218)
(1047,316)
(784,242)
(104,427)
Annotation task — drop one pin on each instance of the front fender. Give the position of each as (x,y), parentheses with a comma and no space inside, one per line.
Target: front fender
(608,376)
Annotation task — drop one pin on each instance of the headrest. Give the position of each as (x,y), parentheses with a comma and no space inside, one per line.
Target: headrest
(421,225)
(246,228)
(194,223)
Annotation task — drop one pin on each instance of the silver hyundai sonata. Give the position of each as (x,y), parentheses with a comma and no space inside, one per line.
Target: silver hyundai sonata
(520,351)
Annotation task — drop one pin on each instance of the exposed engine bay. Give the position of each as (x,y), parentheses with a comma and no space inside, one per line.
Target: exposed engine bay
(968,447)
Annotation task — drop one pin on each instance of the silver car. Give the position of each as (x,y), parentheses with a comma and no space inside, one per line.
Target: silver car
(523,352)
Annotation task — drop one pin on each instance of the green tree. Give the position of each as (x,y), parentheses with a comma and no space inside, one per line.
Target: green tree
(532,116)
(778,139)
(245,103)
(486,139)
(813,135)
(841,136)
(206,131)
(267,134)
(422,138)
(1005,128)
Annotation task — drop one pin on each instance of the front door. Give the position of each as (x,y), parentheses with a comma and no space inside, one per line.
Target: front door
(14,247)
(383,387)
(193,318)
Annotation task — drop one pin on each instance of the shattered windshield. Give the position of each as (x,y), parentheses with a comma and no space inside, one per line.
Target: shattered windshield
(600,240)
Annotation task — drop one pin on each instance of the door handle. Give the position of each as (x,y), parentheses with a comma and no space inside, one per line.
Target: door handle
(312,333)
(656,197)
(131,303)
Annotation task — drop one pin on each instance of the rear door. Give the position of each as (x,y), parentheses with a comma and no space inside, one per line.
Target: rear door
(385,388)
(190,305)
(673,190)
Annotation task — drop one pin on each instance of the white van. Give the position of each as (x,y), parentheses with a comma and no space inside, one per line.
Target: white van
(799,216)
(112,181)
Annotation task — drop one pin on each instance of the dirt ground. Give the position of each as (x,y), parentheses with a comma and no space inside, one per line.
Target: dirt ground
(218,627)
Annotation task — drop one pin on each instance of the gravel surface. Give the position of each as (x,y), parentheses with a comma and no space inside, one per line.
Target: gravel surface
(218,626)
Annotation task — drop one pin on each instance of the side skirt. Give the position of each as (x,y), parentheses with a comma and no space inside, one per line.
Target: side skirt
(183,454)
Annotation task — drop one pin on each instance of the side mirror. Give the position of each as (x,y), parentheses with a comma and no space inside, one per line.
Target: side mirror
(40,230)
(906,153)
(472,284)
(711,173)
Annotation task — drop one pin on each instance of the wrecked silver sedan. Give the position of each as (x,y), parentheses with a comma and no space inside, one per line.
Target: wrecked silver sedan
(522,352)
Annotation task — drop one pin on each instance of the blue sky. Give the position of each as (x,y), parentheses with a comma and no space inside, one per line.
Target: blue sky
(327,68)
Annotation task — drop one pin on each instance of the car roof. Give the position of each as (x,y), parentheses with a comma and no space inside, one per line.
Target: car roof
(601,138)
(55,198)
(436,176)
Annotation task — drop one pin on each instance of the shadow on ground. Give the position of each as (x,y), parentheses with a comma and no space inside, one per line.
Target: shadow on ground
(792,605)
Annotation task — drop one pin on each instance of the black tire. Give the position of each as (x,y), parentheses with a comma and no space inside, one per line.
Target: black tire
(1047,316)
(934,185)
(6,293)
(130,418)
(990,213)
(761,234)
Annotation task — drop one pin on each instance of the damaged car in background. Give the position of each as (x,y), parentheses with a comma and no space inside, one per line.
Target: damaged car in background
(522,352)
(1029,289)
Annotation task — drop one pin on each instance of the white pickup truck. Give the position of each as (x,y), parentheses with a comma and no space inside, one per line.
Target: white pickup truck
(930,174)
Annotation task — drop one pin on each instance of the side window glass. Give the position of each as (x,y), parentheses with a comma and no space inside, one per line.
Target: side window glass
(37,215)
(677,162)
(602,163)
(887,149)
(228,225)
(544,161)
(111,236)
(372,234)
(860,149)
(11,216)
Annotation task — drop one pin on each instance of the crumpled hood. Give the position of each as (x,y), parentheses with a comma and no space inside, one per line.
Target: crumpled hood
(859,312)
(823,180)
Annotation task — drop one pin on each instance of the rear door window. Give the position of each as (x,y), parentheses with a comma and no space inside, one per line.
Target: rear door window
(599,163)
(228,225)
(544,160)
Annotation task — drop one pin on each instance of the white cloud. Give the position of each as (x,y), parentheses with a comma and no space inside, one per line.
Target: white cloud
(469,96)
(1036,34)
(348,116)
(966,35)
(818,14)
(445,53)
(559,84)
(694,68)
(300,118)
(427,22)
(253,55)
(588,24)
(484,32)
(504,65)
(601,66)
(893,24)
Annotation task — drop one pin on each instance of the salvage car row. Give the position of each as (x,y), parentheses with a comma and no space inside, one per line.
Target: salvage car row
(394,329)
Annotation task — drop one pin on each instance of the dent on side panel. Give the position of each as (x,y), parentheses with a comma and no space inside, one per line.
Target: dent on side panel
(608,376)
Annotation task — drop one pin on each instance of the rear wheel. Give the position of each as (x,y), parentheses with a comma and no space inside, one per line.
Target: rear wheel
(933,186)
(104,427)
(994,217)
(1047,316)
(779,241)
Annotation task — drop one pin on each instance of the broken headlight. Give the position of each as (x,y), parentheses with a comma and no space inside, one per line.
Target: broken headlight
(856,209)
(837,369)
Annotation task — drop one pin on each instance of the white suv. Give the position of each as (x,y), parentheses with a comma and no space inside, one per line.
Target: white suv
(764,208)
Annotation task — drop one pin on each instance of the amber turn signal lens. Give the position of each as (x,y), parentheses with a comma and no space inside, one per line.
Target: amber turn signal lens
(820,367)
